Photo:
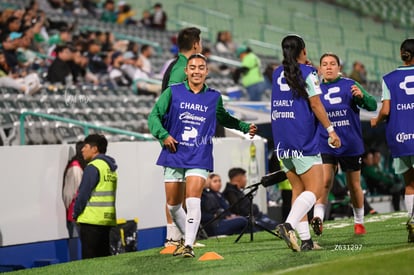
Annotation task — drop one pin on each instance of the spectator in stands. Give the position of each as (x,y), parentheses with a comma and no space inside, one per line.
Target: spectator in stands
(125,14)
(28,84)
(233,193)
(96,64)
(133,47)
(129,66)
(213,67)
(26,56)
(296,140)
(11,25)
(213,204)
(79,68)
(179,166)
(99,177)
(106,39)
(90,6)
(109,14)
(64,36)
(359,73)
(55,4)
(224,42)
(159,18)
(10,47)
(250,73)
(189,43)
(350,97)
(117,75)
(378,181)
(72,177)
(145,20)
(132,67)
(60,71)
(146,52)
(4,15)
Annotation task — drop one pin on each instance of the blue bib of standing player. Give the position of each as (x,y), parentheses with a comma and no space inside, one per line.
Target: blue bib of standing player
(400,126)
(294,125)
(191,120)
(344,116)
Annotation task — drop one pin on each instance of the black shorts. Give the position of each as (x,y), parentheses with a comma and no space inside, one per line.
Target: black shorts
(348,164)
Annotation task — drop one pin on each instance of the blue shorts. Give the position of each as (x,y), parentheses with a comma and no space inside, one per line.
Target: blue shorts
(180,174)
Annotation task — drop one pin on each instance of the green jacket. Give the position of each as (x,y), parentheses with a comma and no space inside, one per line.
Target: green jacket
(161,108)
(373,173)
(177,74)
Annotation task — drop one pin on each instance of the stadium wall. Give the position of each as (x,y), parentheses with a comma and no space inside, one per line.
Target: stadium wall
(32,214)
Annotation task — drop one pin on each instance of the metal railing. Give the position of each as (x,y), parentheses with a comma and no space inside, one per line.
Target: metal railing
(277,51)
(86,126)
(205,17)
(224,60)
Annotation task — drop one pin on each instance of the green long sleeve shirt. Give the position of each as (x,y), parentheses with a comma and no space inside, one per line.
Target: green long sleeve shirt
(161,108)
(367,102)
(373,173)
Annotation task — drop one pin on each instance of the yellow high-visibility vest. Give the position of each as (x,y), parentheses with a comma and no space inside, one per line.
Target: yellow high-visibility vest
(100,209)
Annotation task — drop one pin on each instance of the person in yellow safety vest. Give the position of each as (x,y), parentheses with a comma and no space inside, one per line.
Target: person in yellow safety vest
(95,204)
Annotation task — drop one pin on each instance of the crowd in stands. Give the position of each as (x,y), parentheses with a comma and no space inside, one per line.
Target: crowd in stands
(36,49)
(31,41)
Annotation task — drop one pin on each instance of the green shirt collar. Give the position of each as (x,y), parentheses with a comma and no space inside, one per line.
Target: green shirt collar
(332,81)
(180,55)
(205,87)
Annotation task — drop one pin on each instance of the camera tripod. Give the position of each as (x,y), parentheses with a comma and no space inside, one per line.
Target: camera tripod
(251,223)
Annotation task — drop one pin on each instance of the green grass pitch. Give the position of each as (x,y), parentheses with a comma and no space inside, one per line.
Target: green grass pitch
(383,250)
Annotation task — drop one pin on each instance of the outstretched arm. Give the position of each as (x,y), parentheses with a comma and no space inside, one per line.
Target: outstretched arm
(362,98)
(320,113)
(228,121)
(382,115)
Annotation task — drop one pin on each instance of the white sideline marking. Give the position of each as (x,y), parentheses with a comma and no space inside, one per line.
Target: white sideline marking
(382,253)
(373,218)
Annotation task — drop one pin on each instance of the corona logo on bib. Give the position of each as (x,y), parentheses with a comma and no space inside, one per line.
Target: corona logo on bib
(403,137)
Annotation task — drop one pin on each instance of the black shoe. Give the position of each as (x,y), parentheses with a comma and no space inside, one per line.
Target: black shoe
(286,232)
(410,229)
(308,245)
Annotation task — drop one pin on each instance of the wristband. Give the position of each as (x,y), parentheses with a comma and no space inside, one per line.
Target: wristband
(330,129)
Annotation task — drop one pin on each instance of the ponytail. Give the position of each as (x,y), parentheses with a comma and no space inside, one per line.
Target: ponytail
(407,50)
(292,46)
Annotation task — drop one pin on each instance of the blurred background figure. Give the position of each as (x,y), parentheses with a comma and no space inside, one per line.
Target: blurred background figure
(359,73)
(213,204)
(159,18)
